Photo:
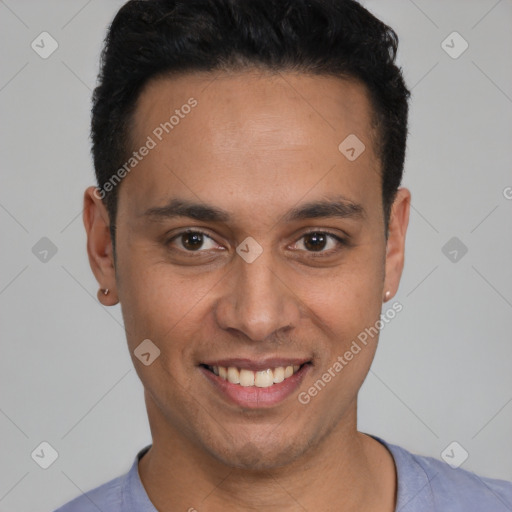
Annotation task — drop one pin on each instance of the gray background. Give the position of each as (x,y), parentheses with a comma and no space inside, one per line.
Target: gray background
(442,371)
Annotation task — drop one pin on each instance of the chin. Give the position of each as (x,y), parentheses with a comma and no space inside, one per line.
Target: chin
(260,456)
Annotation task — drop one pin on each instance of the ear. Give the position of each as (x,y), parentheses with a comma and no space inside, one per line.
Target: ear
(395,247)
(99,245)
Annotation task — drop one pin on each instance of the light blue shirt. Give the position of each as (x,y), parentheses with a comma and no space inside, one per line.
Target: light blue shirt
(425,484)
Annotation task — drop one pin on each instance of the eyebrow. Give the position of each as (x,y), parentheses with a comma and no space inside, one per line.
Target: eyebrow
(339,208)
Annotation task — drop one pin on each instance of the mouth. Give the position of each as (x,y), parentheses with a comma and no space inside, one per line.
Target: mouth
(247,377)
(253,384)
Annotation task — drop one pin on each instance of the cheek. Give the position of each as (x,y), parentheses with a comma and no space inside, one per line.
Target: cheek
(163,306)
(158,306)
(349,299)
(348,308)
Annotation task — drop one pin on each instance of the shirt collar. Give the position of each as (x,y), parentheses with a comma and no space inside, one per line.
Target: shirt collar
(414,492)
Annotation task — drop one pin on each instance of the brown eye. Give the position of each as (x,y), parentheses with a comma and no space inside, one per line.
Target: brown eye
(321,242)
(315,241)
(192,241)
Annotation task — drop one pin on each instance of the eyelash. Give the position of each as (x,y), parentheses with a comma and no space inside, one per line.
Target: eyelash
(337,238)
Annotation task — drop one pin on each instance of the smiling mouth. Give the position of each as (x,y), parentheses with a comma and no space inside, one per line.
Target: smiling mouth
(249,378)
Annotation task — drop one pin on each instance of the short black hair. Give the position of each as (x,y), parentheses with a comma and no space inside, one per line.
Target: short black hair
(149,39)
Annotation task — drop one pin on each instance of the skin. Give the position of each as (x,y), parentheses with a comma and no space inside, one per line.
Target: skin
(256,145)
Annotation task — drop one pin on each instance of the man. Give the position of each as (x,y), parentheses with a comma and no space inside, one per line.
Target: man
(250,221)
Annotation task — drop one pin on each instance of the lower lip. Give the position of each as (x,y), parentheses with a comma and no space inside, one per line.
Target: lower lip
(252,397)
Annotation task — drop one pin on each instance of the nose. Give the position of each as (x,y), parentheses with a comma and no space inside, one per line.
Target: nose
(258,300)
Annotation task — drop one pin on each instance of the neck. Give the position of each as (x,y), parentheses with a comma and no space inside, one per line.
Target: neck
(346,471)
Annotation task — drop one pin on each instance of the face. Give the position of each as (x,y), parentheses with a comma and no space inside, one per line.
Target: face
(247,240)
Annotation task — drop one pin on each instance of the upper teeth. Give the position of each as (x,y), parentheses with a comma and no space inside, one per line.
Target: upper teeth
(260,379)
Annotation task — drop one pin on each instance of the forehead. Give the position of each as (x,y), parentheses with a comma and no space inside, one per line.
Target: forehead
(251,135)
(255,99)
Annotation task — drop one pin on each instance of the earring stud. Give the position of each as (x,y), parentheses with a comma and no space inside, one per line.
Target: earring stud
(105,291)
(387,294)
